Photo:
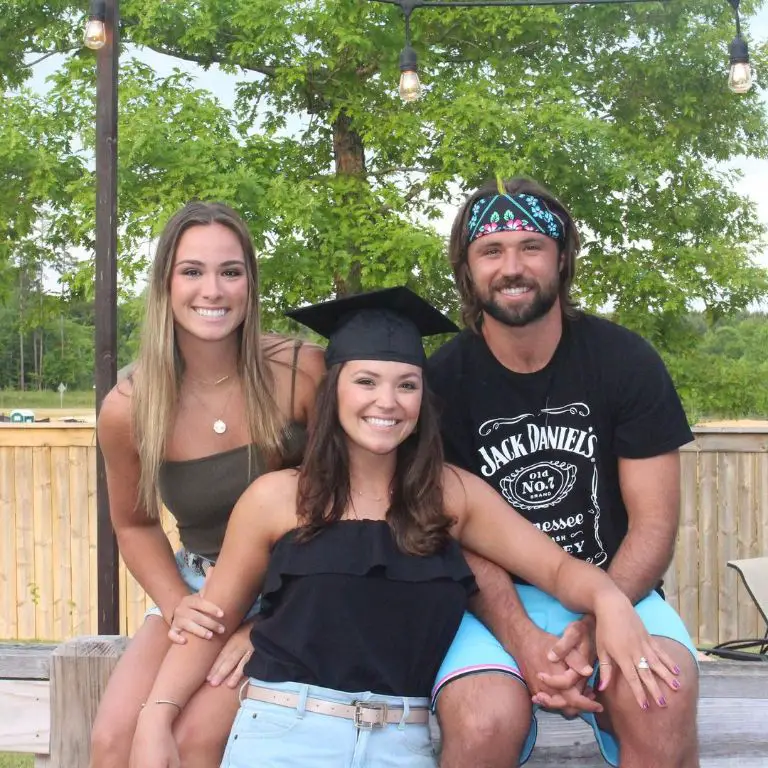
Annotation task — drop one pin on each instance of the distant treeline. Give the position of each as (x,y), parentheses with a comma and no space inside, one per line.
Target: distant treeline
(720,367)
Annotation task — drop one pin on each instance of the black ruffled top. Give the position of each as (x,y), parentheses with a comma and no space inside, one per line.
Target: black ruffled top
(348,610)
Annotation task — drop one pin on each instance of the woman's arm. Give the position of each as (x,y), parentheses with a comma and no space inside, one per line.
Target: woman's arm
(486,524)
(264,513)
(142,541)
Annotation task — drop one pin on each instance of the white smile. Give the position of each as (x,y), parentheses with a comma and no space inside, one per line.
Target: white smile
(514,291)
(380,423)
(203,312)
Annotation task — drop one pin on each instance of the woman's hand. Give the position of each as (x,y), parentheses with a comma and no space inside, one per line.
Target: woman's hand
(622,641)
(229,664)
(153,743)
(196,615)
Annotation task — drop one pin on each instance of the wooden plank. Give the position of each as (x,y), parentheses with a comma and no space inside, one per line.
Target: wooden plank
(746,542)
(25,661)
(729,730)
(761,517)
(62,569)
(728,498)
(93,609)
(25,720)
(687,554)
(8,623)
(44,543)
(728,442)
(26,589)
(45,435)
(78,540)
(708,570)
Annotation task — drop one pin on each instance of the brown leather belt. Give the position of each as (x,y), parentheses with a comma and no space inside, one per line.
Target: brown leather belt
(364,714)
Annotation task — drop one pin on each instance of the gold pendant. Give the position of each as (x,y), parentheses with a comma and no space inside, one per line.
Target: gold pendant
(219,427)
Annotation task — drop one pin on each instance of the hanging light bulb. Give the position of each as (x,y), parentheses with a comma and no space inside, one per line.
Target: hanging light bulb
(95,29)
(95,34)
(410,85)
(740,74)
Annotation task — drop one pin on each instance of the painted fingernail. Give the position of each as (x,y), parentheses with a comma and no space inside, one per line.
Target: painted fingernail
(603,685)
(662,702)
(645,705)
(676,684)
(220,629)
(676,669)
(208,634)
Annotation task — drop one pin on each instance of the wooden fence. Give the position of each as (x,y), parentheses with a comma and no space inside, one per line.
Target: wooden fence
(48,534)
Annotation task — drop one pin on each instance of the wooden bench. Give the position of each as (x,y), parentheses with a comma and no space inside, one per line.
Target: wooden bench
(49,695)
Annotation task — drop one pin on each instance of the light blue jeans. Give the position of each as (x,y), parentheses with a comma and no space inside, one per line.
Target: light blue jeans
(271,736)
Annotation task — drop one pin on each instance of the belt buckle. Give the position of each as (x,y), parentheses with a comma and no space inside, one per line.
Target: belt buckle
(377,706)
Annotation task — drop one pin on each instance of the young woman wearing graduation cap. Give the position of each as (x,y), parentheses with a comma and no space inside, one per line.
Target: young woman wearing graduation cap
(358,559)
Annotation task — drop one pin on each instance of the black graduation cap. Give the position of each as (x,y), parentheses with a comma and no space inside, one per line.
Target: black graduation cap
(380,325)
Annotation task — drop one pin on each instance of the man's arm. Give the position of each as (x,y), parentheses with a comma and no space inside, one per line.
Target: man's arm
(650,489)
(651,492)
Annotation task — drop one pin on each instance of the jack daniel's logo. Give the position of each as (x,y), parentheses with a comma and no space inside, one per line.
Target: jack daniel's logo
(534,439)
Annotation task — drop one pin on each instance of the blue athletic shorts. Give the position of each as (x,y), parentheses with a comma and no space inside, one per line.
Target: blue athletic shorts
(192,569)
(475,650)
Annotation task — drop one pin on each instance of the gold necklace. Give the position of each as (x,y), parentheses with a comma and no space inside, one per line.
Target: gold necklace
(210,383)
(219,425)
(373,498)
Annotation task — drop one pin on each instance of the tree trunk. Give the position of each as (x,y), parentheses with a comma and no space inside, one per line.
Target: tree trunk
(349,158)
(348,149)
(21,359)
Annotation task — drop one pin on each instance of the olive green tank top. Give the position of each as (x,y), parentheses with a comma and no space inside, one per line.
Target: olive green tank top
(200,493)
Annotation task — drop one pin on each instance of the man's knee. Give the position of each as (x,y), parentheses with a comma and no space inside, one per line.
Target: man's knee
(663,734)
(482,710)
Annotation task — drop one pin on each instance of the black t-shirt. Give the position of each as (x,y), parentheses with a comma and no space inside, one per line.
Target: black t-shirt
(549,441)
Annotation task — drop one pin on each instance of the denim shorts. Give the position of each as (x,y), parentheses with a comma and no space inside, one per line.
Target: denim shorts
(271,736)
(475,650)
(193,569)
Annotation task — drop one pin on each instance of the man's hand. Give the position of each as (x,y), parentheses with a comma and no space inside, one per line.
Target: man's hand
(570,674)
(575,646)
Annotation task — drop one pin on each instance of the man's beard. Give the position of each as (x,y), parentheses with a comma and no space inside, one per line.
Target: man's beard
(544,298)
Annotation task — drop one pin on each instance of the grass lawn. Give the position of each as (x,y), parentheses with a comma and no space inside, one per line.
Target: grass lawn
(8,760)
(10,399)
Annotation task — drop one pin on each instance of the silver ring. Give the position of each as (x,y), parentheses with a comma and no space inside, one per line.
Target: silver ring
(643,663)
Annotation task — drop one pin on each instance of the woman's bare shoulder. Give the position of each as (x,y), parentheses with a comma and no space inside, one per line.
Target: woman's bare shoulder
(271,499)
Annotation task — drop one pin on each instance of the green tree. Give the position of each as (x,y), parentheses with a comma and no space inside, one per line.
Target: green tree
(622,110)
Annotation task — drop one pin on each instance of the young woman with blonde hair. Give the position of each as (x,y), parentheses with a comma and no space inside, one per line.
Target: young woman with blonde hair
(211,404)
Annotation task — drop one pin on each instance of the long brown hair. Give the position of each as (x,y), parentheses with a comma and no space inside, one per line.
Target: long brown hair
(459,243)
(160,365)
(416,514)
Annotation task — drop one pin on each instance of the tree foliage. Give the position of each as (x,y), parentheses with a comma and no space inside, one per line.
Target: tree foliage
(622,110)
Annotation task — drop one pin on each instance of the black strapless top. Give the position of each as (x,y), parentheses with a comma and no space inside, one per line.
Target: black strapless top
(348,610)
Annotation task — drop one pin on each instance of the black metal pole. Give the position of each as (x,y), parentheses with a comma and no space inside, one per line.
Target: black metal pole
(106,304)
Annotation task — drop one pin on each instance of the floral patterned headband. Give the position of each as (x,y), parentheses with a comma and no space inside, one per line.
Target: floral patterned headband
(514,213)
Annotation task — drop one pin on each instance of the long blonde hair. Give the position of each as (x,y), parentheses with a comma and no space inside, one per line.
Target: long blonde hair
(160,365)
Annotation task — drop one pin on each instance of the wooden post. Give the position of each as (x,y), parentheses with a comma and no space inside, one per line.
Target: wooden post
(80,669)
(106,300)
